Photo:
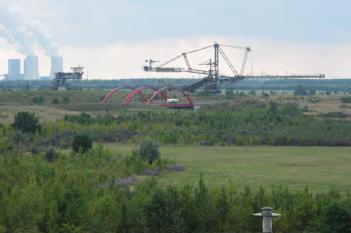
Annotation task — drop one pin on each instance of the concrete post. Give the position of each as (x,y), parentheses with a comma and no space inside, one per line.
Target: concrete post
(267,219)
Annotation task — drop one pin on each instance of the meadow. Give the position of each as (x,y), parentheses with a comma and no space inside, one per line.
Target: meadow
(317,168)
(239,153)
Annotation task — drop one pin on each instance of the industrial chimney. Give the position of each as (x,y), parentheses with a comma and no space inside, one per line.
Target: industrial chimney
(14,69)
(31,69)
(56,65)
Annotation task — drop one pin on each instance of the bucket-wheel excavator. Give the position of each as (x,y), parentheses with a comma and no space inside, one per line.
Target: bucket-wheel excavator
(214,79)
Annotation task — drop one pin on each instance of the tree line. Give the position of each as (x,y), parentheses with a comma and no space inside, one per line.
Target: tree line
(83,193)
(243,124)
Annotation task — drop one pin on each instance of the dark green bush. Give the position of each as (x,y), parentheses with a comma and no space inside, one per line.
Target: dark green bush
(149,151)
(334,114)
(303,91)
(346,100)
(83,118)
(336,218)
(35,150)
(26,122)
(65,100)
(229,94)
(38,100)
(82,143)
(51,155)
(55,101)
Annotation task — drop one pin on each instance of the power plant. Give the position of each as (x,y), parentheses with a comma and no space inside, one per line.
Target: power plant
(56,66)
(14,69)
(31,68)
(31,71)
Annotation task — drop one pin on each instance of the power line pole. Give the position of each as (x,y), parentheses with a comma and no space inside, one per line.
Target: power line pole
(267,219)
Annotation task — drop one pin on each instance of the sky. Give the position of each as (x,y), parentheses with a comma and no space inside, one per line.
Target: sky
(112,38)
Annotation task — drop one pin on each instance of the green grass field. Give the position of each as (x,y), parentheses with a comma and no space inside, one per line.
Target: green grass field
(318,168)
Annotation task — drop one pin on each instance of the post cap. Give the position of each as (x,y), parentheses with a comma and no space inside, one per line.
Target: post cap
(267,212)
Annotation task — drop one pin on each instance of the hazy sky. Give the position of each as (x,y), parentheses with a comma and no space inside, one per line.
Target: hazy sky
(113,37)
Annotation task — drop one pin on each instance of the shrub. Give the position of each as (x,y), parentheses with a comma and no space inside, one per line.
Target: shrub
(303,91)
(273,108)
(65,100)
(26,122)
(253,92)
(18,137)
(149,151)
(346,100)
(38,100)
(51,155)
(133,164)
(83,118)
(82,143)
(334,114)
(229,94)
(35,150)
(55,101)
(300,90)
(336,218)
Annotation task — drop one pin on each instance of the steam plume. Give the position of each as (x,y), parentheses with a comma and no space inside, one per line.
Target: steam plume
(23,31)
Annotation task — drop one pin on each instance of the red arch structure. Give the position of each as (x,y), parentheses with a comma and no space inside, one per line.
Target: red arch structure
(162,92)
(139,91)
(117,89)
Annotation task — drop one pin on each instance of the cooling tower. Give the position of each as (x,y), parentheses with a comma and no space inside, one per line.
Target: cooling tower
(31,70)
(56,65)
(14,69)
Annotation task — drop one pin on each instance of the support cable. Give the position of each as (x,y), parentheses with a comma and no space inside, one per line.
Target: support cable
(193,51)
(228,61)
